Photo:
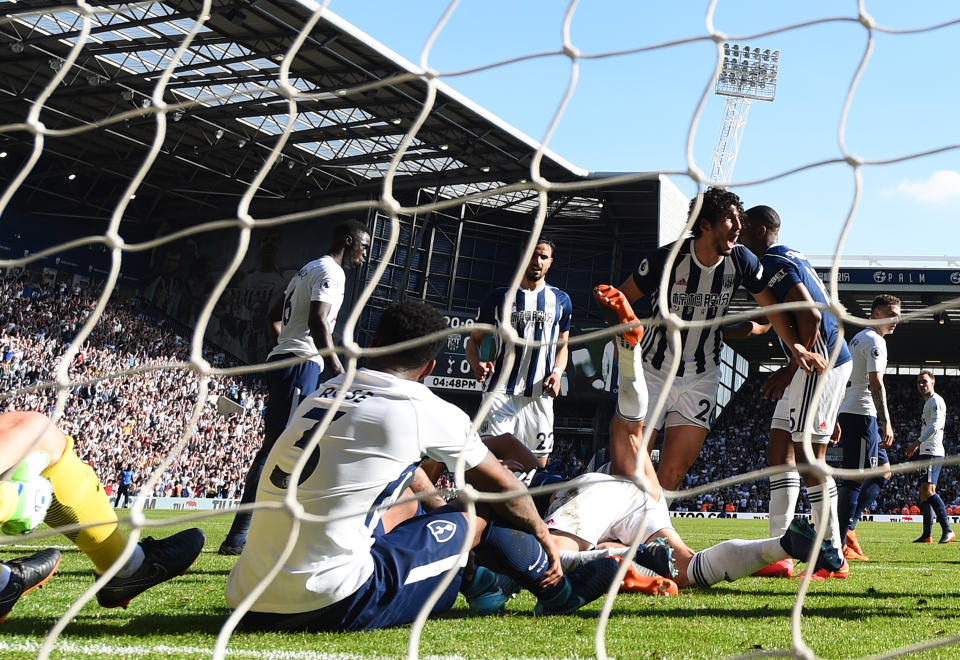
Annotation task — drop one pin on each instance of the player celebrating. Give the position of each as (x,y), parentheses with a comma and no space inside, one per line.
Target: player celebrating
(867,430)
(708,269)
(791,278)
(930,444)
(51,484)
(302,322)
(523,404)
(346,571)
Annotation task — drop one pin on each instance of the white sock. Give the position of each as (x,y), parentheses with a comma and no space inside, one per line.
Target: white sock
(4,576)
(632,398)
(733,559)
(816,494)
(134,563)
(784,491)
(573,559)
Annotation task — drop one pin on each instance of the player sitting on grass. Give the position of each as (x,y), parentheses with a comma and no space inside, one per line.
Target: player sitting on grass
(349,569)
(49,483)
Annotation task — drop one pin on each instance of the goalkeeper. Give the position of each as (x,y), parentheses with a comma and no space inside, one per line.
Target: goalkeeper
(45,481)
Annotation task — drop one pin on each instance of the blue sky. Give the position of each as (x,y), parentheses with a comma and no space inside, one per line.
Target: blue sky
(633,112)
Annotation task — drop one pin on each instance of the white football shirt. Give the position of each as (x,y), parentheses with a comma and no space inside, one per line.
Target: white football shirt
(367,457)
(869,351)
(933,422)
(321,280)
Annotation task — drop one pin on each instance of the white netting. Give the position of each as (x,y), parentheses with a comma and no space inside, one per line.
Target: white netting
(82,19)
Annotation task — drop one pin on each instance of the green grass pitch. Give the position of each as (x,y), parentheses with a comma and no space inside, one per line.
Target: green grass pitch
(905,595)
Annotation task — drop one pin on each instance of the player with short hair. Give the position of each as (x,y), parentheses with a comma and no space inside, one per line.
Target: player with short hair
(700,284)
(302,323)
(523,403)
(930,445)
(791,278)
(867,430)
(47,482)
(346,571)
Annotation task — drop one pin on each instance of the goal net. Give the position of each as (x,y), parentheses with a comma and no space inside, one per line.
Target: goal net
(209,355)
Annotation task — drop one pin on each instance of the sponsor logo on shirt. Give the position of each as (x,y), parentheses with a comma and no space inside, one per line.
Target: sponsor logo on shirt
(699,299)
(779,275)
(442,530)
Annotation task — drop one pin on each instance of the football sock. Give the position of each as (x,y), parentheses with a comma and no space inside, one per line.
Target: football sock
(816,495)
(4,576)
(936,503)
(518,555)
(79,499)
(9,495)
(868,497)
(571,560)
(784,491)
(632,397)
(847,507)
(927,510)
(133,563)
(731,560)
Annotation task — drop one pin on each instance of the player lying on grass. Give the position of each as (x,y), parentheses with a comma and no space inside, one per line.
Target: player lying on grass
(45,481)
(350,571)
(597,512)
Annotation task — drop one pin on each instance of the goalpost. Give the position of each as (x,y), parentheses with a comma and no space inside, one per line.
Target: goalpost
(91,20)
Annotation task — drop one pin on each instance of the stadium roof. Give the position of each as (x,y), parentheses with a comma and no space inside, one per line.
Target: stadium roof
(340,146)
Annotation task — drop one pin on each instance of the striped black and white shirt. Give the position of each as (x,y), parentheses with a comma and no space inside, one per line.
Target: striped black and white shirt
(540,315)
(695,293)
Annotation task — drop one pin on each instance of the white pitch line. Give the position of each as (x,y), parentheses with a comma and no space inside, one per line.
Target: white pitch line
(103,650)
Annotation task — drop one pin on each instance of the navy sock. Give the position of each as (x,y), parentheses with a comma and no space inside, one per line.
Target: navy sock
(847,512)
(868,497)
(518,555)
(927,510)
(940,511)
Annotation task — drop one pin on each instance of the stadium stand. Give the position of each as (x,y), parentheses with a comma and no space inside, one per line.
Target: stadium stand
(131,421)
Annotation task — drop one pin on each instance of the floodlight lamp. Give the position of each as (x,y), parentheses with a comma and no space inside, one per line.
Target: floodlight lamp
(145,104)
(219,133)
(726,49)
(55,63)
(177,116)
(71,177)
(736,49)
(290,164)
(3,154)
(766,54)
(776,55)
(484,169)
(444,147)
(242,143)
(126,95)
(16,47)
(396,121)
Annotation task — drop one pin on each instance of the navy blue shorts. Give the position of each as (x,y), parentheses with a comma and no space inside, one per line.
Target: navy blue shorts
(860,439)
(286,388)
(408,564)
(929,474)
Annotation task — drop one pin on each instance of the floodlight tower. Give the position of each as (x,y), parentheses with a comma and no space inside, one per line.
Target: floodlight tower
(747,75)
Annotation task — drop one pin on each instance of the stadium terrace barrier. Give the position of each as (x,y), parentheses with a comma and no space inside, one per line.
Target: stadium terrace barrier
(187,503)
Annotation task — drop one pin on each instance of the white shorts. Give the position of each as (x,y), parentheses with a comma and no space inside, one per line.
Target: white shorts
(529,418)
(798,403)
(690,401)
(597,507)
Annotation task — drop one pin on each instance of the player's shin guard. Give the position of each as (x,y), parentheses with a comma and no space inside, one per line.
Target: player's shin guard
(731,560)
(816,494)
(868,497)
(79,499)
(518,555)
(847,508)
(926,509)
(784,491)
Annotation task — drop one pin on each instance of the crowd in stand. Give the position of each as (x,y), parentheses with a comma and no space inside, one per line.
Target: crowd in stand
(127,421)
(132,421)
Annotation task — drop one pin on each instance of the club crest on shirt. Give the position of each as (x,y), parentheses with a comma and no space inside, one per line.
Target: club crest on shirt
(442,530)
(644,267)
(729,281)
